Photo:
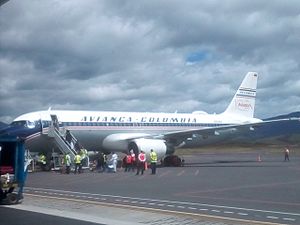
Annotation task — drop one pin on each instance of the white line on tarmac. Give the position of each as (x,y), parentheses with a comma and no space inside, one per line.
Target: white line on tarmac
(155,210)
(180,173)
(167,201)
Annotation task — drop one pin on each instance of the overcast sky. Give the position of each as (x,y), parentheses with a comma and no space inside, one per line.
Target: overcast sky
(153,56)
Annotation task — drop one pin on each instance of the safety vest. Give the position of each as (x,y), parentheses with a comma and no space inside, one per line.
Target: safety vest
(153,157)
(77,159)
(83,153)
(128,159)
(142,157)
(43,159)
(67,160)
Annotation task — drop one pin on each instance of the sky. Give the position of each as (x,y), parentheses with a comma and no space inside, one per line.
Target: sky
(147,56)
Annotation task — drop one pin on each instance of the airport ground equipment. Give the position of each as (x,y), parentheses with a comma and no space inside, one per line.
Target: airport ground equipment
(13,169)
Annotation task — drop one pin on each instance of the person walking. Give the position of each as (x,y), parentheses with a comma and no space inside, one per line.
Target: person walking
(286,154)
(141,163)
(153,158)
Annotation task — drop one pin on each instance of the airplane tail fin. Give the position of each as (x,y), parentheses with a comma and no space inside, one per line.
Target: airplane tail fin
(243,102)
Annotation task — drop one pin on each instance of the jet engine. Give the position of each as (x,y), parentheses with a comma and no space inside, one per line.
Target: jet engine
(143,144)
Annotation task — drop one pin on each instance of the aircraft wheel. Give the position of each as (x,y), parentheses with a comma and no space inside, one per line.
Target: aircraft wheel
(11,198)
(172,160)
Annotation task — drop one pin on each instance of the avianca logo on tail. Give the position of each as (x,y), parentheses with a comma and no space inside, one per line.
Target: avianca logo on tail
(244,106)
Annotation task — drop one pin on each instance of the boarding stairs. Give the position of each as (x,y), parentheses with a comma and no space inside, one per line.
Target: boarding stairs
(65,140)
(61,142)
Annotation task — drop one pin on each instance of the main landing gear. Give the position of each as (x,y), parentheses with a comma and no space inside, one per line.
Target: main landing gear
(173,161)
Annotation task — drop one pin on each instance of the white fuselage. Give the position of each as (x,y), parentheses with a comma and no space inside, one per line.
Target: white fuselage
(92,127)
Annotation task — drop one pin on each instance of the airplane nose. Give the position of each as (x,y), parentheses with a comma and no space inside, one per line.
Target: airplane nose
(4,131)
(11,131)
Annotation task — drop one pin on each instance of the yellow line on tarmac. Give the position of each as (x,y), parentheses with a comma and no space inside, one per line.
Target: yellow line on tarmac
(156,210)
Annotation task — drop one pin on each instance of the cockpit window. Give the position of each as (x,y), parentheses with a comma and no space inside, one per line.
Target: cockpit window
(30,124)
(19,123)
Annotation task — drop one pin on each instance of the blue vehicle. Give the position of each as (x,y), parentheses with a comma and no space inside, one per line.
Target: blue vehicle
(12,169)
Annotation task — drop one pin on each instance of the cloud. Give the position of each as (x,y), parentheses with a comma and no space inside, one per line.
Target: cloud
(147,55)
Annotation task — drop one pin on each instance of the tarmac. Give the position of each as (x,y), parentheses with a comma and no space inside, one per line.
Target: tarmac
(212,188)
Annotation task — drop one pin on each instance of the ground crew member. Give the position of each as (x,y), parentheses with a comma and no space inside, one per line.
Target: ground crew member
(77,161)
(141,163)
(42,160)
(67,162)
(83,155)
(153,158)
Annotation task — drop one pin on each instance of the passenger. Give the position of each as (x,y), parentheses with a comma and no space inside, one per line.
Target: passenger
(68,137)
(94,166)
(100,163)
(153,158)
(104,162)
(133,160)
(286,154)
(128,161)
(114,159)
(124,164)
(77,161)
(141,163)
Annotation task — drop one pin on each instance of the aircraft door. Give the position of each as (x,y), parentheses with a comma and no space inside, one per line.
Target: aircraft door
(55,122)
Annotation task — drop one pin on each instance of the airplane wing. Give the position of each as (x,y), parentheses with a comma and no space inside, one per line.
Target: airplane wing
(182,135)
(265,128)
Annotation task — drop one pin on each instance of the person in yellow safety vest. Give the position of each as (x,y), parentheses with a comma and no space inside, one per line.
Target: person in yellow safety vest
(83,155)
(153,158)
(77,161)
(67,162)
(42,160)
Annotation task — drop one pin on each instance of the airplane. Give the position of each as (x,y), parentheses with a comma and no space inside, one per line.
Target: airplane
(109,131)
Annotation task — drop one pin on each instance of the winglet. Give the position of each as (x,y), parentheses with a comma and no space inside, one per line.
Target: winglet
(243,102)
